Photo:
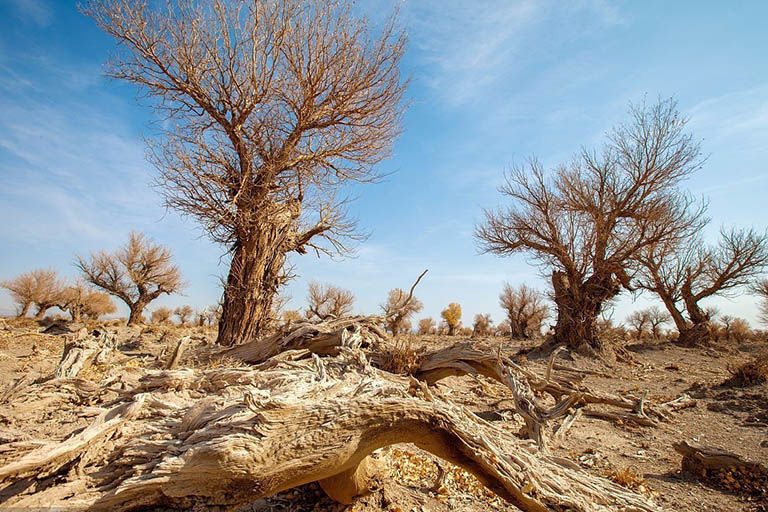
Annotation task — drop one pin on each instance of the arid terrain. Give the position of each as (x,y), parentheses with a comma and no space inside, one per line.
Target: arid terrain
(723,414)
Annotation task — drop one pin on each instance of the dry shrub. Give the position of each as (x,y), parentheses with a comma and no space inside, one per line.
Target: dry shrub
(750,373)
(628,478)
(401,357)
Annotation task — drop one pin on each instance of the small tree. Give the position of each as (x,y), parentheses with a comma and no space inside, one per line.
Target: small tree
(270,108)
(525,308)
(638,320)
(291,316)
(682,275)
(400,307)
(184,313)
(40,287)
(426,326)
(586,221)
(656,318)
(161,315)
(452,317)
(137,273)
(482,324)
(83,301)
(327,301)
(503,329)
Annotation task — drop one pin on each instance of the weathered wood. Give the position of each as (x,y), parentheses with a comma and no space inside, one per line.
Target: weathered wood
(697,458)
(259,431)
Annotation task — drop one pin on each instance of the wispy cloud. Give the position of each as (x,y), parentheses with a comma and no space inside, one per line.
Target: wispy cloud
(468,48)
(36,11)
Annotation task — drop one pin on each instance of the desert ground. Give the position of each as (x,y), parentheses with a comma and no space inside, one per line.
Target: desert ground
(717,410)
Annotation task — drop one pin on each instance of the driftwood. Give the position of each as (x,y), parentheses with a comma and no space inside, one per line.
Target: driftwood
(85,349)
(698,459)
(232,435)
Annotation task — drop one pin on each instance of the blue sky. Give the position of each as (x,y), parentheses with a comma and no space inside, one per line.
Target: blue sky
(492,83)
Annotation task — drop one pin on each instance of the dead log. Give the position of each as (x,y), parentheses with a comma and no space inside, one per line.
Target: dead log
(259,431)
(699,459)
(85,349)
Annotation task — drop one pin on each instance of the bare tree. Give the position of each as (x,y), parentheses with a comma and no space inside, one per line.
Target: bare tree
(83,301)
(290,316)
(587,220)
(656,318)
(184,313)
(452,317)
(137,273)
(401,307)
(526,310)
(41,287)
(482,325)
(270,108)
(638,320)
(328,301)
(426,326)
(161,315)
(684,274)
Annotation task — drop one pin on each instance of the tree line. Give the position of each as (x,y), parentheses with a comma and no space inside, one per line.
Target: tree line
(270,109)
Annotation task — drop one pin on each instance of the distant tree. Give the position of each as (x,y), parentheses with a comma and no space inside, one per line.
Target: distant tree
(271,107)
(41,287)
(202,317)
(482,324)
(682,275)
(656,318)
(587,220)
(161,315)
(83,301)
(735,328)
(184,313)
(525,308)
(452,317)
(503,329)
(137,273)
(328,301)
(426,326)
(401,306)
(291,316)
(638,320)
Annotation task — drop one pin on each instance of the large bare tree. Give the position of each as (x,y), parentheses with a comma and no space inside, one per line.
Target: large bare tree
(269,108)
(585,221)
(326,301)
(526,309)
(137,273)
(683,275)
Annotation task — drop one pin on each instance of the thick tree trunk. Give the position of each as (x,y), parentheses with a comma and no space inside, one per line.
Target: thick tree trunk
(696,331)
(137,310)
(578,305)
(24,309)
(253,281)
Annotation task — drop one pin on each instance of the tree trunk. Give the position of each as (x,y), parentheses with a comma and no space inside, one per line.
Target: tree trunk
(41,311)
(578,305)
(137,310)
(696,332)
(254,279)
(24,309)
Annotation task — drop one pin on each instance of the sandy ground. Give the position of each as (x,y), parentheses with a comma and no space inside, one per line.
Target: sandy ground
(724,416)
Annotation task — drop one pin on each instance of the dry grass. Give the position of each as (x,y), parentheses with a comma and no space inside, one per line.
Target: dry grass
(750,373)
(627,477)
(401,357)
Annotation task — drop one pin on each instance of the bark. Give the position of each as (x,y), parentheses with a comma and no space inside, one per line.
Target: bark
(259,431)
(24,309)
(254,279)
(137,311)
(578,305)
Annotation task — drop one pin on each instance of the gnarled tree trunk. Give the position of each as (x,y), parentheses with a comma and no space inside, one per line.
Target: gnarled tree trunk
(253,280)
(578,305)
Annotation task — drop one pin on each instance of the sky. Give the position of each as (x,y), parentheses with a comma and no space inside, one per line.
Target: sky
(492,83)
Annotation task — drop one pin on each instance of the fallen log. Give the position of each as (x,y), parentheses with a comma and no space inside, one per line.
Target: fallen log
(229,436)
